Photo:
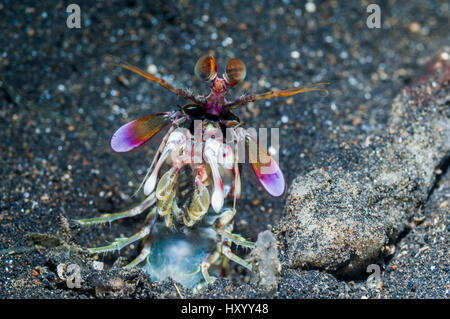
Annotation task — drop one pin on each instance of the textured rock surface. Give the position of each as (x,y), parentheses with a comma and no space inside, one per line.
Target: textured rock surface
(420,264)
(341,219)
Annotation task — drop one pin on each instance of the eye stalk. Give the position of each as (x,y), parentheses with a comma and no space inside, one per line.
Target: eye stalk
(235,72)
(206,68)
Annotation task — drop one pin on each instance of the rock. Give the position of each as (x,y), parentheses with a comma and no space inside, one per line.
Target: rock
(266,265)
(44,240)
(340,218)
(116,283)
(420,268)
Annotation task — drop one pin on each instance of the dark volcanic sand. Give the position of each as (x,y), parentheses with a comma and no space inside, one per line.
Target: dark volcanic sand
(59,106)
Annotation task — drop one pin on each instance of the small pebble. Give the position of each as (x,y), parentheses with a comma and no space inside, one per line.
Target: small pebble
(310,7)
(414,27)
(295,54)
(152,69)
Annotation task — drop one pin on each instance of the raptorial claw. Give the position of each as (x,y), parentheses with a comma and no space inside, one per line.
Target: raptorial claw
(175,141)
(165,206)
(188,222)
(166,184)
(200,201)
(212,149)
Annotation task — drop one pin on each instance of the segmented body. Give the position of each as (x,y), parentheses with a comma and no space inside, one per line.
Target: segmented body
(190,194)
(193,182)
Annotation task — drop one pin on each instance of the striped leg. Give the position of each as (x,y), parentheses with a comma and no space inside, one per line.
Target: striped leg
(107,218)
(211,259)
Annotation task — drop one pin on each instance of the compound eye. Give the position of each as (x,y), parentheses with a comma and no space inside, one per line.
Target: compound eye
(206,68)
(235,72)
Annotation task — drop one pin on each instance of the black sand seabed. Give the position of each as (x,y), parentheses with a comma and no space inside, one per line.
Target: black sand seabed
(60,105)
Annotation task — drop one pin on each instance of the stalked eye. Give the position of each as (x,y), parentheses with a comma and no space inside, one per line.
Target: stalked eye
(235,72)
(206,68)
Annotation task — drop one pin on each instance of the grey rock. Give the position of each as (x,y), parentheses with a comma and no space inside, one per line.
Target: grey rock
(419,267)
(341,218)
(266,265)
(118,283)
